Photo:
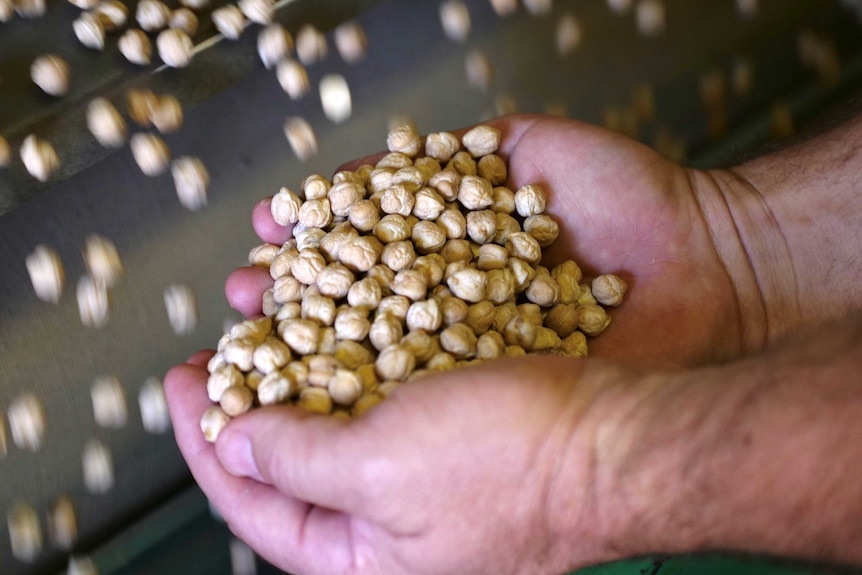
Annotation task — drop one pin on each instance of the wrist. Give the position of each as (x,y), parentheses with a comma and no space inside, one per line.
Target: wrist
(589,517)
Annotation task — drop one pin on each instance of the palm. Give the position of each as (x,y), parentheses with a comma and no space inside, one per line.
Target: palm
(623,209)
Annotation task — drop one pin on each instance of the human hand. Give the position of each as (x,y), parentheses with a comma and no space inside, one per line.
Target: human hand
(622,209)
(481,470)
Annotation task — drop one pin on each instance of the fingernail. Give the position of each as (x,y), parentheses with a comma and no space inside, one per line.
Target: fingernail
(234,452)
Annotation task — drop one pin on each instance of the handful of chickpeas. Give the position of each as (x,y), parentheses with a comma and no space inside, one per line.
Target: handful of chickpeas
(415,265)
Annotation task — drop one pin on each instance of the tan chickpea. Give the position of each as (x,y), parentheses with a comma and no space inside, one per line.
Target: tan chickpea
(39,157)
(385,330)
(136,47)
(575,345)
(493,168)
(500,287)
(547,340)
(492,257)
(421,344)
(311,45)
(490,345)
(398,255)
(520,331)
(379,179)
(463,163)
(220,379)
(563,318)
(394,161)
(454,223)
(524,246)
(459,340)
(318,308)
(428,204)
(395,363)
(504,200)
(531,312)
(543,228)
(392,228)
(592,319)
(428,237)
(343,196)
(481,226)
(447,183)
(506,227)
(383,275)
(480,316)
(475,193)
(503,315)
(300,335)
(453,310)
(334,280)
(405,140)
(468,284)
(544,291)
(482,140)
(609,289)
(353,354)
(530,200)
(350,41)
(441,361)
(366,403)
(345,387)
(411,178)
(410,284)
(351,323)
(362,254)
(424,315)
(236,400)
(585,296)
(262,255)
(271,355)
(315,400)
(275,388)
(254,329)
(457,251)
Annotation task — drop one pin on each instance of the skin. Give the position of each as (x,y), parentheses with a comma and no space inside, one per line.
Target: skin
(716,389)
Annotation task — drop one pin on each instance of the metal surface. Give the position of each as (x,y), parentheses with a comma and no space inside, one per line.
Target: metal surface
(234,115)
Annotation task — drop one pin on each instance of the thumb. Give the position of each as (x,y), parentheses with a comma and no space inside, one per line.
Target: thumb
(320,460)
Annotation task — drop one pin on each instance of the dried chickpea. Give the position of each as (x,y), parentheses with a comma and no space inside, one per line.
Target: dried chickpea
(521,331)
(385,331)
(25,535)
(98,467)
(392,228)
(150,153)
(351,42)
(182,310)
(175,47)
(563,318)
(152,15)
(353,355)
(398,255)
(490,345)
(185,20)
(318,308)
(395,363)
(51,73)
(586,297)
(311,45)
(453,310)
(524,246)
(300,335)
(575,345)
(315,400)
(228,20)
(236,400)
(362,254)
(463,163)
(609,289)
(271,355)
(482,140)
(503,315)
(258,11)
(455,19)
(62,523)
(166,113)
(301,137)
(424,315)
(504,200)
(459,340)
(274,43)
(275,388)
(457,251)
(89,30)
(592,319)
(351,323)
(345,387)
(441,361)
(27,422)
(421,344)
(240,352)
(543,291)
(493,168)
(105,123)
(468,284)
(475,193)
(410,284)
(478,69)
(500,287)
(506,226)
(396,160)
(447,183)
(112,13)
(93,302)
(39,157)
(263,255)
(480,316)
(530,200)
(404,139)
(397,200)
(543,228)
(293,78)
(212,422)
(481,226)
(46,273)
(109,402)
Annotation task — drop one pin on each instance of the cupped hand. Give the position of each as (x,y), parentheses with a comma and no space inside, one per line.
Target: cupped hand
(622,209)
(481,470)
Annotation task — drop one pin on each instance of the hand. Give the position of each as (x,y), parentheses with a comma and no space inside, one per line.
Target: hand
(622,209)
(460,473)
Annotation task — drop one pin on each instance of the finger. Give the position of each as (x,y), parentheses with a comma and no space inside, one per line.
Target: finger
(302,455)
(285,531)
(265,227)
(200,358)
(244,289)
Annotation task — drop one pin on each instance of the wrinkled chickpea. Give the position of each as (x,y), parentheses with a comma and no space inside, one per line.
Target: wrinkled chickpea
(274,43)
(39,157)
(609,289)
(228,20)
(136,47)
(293,78)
